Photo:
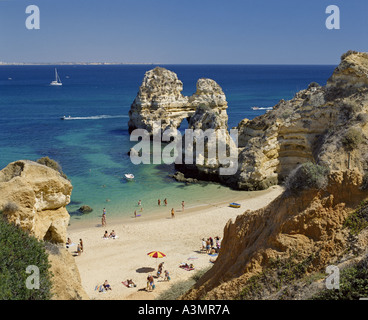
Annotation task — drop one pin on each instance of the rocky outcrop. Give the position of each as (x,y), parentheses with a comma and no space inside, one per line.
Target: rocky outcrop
(66,280)
(310,224)
(209,159)
(326,125)
(160,100)
(34,197)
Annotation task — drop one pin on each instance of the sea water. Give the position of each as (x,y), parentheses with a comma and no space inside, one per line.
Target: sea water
(92,147)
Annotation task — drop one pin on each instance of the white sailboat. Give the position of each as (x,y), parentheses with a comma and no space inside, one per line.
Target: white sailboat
(57,81)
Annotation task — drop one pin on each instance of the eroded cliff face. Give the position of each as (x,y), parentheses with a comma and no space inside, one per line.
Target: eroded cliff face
(39,195)
(66,282)
(34,197)
(312,126)
(326,125)
(160,99)
(309,223)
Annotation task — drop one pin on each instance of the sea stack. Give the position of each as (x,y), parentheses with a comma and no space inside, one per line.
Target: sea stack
(160,98)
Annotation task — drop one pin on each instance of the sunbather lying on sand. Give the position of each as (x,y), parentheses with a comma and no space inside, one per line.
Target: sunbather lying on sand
(129,283)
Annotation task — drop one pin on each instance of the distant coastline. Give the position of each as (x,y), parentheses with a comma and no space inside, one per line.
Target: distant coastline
(72,63)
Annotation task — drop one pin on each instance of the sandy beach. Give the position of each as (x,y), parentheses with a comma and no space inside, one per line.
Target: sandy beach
(117,260)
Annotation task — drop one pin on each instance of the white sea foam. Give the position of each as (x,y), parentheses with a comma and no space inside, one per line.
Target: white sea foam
(95,117)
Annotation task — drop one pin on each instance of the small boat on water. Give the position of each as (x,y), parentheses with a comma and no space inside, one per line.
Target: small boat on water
(129,176)
(234,205)
(57,81)
(66,118)
(262,108)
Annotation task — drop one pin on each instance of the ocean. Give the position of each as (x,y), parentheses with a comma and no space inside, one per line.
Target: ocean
(92,148)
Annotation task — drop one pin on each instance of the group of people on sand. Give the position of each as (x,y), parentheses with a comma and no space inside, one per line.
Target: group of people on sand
(210,246)
(112,235)
(80,248)
(150,280)
(159,204)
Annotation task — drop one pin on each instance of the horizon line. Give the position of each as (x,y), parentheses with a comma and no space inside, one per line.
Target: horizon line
(2,63)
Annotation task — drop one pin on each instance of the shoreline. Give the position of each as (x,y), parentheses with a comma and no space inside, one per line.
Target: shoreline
(117,260)
(158,212)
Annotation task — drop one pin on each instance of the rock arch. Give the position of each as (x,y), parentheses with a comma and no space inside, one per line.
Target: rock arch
(160,99)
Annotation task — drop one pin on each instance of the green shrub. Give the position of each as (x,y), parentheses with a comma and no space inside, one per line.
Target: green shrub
(18,250)
(353,284)
(358,220)
(46,161)
(279,273)
(307,176)
(352,139)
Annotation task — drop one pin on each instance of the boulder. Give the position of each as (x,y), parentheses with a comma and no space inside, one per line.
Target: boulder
(85,209)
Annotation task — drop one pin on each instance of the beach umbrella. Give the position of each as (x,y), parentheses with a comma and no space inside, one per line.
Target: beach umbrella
(156,255)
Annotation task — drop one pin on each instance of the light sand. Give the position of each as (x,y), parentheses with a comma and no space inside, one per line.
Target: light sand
(117,260)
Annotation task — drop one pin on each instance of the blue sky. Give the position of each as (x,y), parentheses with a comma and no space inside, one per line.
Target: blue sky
(183,32)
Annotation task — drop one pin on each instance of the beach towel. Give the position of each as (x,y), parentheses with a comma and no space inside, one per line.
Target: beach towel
(213,255)
(125,283)
(192,258)
(70,245)
(100,288)
(188,269)
(116,237)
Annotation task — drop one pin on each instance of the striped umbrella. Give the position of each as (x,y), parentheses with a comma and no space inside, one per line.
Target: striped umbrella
(156,254)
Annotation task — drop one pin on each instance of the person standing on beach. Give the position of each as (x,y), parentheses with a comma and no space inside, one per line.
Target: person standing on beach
(182,206)
(81,244)
(139,202)
(165,202)
(103,221)
(159,202)
(135,213)
(172,213)
(150,282)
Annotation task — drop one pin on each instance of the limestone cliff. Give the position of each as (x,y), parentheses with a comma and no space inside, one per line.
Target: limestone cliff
(39,195)
(66,282)
(327,125)
(160,99)
(34,197)
(310,224)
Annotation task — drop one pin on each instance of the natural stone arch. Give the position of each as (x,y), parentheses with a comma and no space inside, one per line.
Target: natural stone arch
(160,99)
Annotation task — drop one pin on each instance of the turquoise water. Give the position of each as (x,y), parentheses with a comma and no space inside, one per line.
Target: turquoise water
(92,149)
